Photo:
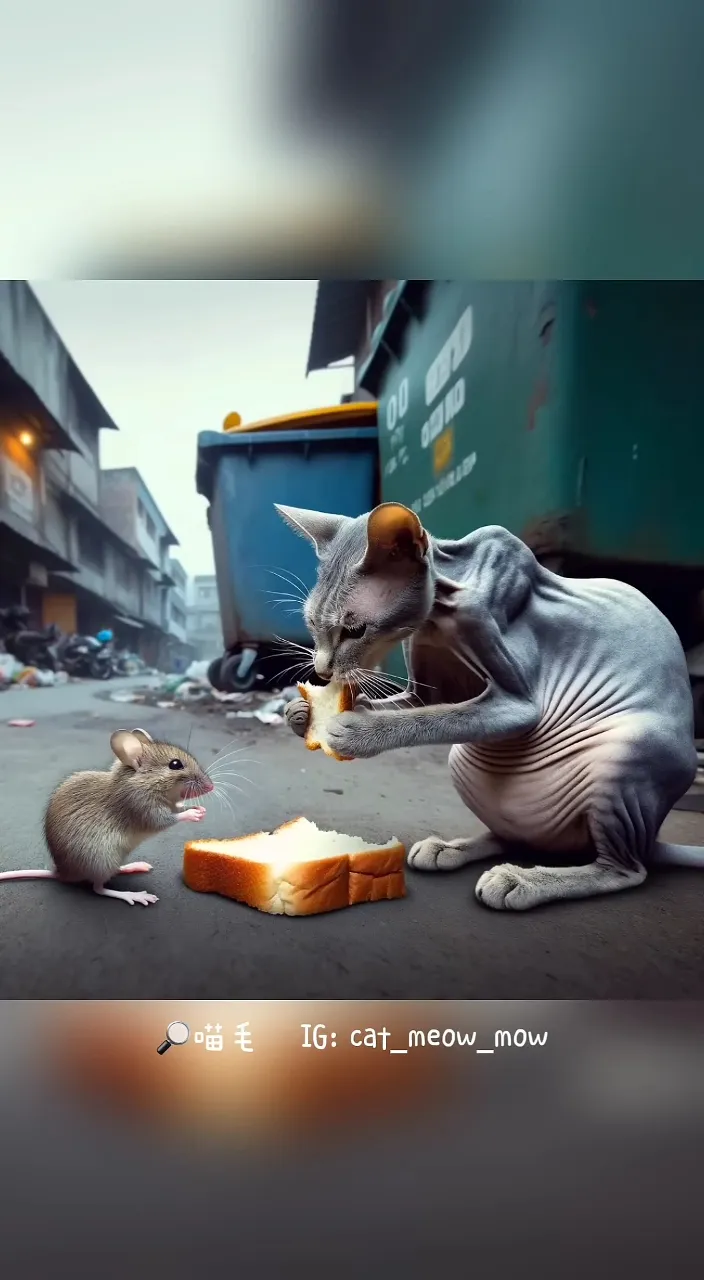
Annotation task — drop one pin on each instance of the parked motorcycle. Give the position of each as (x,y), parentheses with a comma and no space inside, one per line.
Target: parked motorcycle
(85,656)
(32,648)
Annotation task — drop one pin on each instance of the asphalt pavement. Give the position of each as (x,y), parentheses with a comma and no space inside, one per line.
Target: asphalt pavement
(61,942)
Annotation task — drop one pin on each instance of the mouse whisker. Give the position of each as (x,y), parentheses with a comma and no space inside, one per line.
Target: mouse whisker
(226,747)
(224,787)
(234,760)
(232,755)
(225,800)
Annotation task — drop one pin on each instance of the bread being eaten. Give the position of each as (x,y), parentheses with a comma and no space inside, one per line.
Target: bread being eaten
(297,870)
(325,701)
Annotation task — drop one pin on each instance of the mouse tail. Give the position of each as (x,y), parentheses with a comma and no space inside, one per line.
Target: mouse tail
(29,875)
(677,855)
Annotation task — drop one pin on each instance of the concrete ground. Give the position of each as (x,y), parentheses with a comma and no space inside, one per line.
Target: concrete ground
(58,942)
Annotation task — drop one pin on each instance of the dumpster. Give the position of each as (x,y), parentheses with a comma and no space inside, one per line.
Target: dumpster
(263,572)
(568,412)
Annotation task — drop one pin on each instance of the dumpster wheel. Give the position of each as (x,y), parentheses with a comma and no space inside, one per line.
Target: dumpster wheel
(215,675)
(230,677)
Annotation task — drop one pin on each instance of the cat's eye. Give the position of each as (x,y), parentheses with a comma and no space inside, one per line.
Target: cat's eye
(354,633)
(176,764)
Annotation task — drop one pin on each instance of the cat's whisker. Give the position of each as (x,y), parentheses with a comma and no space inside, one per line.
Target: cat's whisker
(276,591)
(294,645)
(295,583)
(296,577)
(379,681)
(278,597)
(402,684)
(282,599)
(475,668)
(375,685)
(297,671)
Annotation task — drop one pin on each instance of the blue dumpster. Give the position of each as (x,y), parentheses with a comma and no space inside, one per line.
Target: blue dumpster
(257,557)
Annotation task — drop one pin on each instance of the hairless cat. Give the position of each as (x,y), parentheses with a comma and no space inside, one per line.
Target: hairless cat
(566,702)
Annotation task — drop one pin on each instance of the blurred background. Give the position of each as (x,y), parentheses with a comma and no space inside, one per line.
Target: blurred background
(581,1154)
(499,139)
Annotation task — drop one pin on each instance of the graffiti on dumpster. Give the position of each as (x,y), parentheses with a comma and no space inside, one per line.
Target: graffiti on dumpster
(452,354)
(395,412)
(434,429)
(454,477)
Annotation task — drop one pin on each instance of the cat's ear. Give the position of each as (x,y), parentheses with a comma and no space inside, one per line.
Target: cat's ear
(317,526)
(394,533)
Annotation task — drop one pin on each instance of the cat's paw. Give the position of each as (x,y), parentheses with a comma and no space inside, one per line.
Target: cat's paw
(297,715)
(434,854)
(509,888)
(355,735)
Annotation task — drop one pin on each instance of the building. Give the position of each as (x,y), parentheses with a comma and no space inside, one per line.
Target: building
(67,549)
(348,313)
(132,513)
(50,421)
(180,651)
(204,624)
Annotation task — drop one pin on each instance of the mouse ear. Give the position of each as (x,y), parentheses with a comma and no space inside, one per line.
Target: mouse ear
(127,747)
(142,733)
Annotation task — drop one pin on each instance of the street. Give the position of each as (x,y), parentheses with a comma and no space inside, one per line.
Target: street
(60,942)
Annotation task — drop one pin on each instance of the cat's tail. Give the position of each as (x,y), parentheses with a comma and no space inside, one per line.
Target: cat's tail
(677,855)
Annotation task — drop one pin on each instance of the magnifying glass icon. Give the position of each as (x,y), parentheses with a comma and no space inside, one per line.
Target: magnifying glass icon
(176,1033)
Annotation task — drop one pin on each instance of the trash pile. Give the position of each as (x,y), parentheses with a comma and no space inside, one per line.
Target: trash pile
(192,689)
(13,672)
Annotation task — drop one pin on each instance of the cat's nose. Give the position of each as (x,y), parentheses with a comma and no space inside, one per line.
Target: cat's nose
(322,666)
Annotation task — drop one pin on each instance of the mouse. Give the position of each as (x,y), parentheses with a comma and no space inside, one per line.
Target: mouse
(94,820)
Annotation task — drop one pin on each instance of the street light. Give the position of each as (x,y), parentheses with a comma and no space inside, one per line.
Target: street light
(26,439)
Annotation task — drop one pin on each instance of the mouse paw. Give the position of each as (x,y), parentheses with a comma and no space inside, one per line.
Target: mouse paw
(192,815)
(132,868)
(132,899)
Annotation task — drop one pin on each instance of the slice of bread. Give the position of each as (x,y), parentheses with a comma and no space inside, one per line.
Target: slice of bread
(297,870)
(325,701)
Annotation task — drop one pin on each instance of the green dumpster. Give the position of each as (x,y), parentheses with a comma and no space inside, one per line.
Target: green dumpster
(569,412)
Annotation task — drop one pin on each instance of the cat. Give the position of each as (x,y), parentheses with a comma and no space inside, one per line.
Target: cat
(566,702)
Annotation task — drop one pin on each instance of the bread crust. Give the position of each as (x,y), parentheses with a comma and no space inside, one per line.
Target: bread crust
(346,695)
(296,888)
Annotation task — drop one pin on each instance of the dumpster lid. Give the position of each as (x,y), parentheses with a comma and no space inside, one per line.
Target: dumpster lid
(212,445)
(361,412)
(404,303)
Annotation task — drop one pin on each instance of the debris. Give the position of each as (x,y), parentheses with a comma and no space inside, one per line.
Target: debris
(264,717)
(334,791)
(192,691)
(125,695)
(9,668)
(274,706)
(166,705)
(21,724)
(44,679)
(198,671)
(33,677)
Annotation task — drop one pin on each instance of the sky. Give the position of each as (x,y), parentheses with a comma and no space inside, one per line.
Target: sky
(171,358)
